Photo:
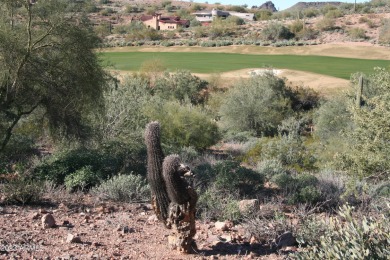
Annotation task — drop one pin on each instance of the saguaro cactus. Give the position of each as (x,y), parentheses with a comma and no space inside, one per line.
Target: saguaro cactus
(173,199)
(181,217)
(359,92)
(160,199)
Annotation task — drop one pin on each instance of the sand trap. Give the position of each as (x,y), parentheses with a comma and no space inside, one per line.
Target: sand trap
(261,72)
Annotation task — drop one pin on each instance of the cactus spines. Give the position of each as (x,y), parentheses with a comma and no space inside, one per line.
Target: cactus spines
(160,199)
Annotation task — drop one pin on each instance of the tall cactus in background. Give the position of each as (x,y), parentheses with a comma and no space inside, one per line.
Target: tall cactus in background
(160,199)
(359,93)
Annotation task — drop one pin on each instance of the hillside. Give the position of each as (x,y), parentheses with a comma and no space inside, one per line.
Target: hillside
(305,5)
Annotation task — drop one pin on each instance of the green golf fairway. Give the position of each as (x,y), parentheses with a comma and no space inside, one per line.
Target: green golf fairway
(200,62)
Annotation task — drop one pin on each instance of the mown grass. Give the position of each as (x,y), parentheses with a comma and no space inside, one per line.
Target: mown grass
(222,62)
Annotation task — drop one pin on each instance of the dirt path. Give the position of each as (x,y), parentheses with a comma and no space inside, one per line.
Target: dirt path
(113,231)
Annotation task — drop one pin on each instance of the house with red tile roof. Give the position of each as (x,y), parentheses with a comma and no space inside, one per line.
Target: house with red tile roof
(159,22)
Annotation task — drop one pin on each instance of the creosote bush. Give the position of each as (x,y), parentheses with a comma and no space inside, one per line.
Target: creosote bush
(124,188)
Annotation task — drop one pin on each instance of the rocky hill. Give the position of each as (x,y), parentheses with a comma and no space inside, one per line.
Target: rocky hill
(305,5)
(268,6)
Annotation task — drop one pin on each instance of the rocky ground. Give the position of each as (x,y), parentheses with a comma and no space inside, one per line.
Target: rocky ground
(84,229)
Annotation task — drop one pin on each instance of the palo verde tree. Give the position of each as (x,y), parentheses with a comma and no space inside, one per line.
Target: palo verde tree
(47,64)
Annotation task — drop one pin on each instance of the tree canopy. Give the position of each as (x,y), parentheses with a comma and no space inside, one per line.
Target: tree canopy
(48,64)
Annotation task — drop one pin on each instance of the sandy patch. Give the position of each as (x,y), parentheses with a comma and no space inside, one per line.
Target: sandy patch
(325,85)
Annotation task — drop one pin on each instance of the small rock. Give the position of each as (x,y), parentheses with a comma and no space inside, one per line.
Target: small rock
(48,221)
(221,226)
(285,239)
(73,239)
(248,205)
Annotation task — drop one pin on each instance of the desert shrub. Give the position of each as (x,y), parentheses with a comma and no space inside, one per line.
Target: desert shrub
(197,7)
(326,8)
(384,32)
(234,20)
(351,237)
(151,10)
(110,159)
(195,23)
(326,24)
(331,118)
(306,34)
(267,224)
(200,32)
(180,85)
(22,190)
(368,149)
(310,12)
(289,149)
(82,179)
(334,14)
(296,26)
(230,176)
(270,168)
(275,31)
(218,204)
(263,15)
(381,190)
(304,99)
(198,131)
(133,9)
(256,105)
(357,33)
(124,188)
(298,189)
(106,11)
(124,103)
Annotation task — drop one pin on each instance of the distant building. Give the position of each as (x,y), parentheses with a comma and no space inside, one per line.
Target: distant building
(159,22)
(208,16)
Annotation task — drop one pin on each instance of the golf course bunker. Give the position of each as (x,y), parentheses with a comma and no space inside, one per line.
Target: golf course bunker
(261,72)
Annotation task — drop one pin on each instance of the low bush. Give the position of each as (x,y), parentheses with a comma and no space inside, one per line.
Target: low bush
(351,237)
(357,33)
(302,188)
(275,31)
(82,179)
(124,188)
(218,204)
(22,190)
(232,177)
(270,168)
(326,24)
